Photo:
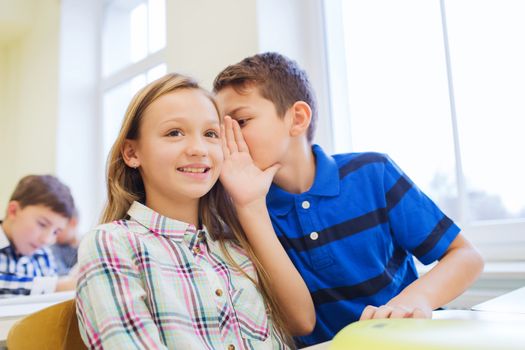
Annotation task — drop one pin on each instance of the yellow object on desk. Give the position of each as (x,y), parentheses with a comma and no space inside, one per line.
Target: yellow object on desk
(415,334)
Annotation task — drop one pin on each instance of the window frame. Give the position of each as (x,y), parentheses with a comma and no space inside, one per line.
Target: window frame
(120,76)
(498,240)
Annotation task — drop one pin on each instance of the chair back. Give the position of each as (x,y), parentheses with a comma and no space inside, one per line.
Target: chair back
(53,328)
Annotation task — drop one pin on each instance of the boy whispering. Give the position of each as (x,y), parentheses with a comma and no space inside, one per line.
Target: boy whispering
(351,223)
(39,208)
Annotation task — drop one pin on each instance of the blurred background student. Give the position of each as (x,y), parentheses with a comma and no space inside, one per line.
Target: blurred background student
(37,212)
(66,246)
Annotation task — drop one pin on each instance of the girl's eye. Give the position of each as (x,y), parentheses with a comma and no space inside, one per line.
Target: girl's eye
(212,133)
(242,122)
(175,133)
(41,224)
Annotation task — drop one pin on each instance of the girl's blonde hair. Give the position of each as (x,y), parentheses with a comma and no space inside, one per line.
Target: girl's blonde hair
(216,210)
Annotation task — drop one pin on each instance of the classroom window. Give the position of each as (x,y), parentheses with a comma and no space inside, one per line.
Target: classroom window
(133,41)
(116,100)
(438,85)
(131,31)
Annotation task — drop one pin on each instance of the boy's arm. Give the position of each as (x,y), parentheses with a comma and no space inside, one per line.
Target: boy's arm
(286,282)
(66,283)
(69,281)
(14,285)
(453,274)
(248,186)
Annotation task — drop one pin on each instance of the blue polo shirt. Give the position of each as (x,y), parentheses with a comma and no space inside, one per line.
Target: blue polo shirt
(352,236)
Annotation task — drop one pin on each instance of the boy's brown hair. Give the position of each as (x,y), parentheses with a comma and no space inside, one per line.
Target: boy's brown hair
(45,190)
(277,78)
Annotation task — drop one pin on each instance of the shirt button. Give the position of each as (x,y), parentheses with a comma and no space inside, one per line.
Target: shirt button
(196,250)
(200,235)
(314,235)
(231,347)
(218,292)
(305,204)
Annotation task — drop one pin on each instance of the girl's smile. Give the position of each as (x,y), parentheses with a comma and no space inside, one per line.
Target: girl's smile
(195,171)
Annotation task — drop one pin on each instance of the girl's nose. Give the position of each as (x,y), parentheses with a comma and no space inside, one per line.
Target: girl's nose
(196,147)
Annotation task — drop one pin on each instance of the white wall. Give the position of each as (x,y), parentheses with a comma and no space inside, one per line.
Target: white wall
(295,28)
(204,36)
(4,153)
(8,87)
(16,17)
(78,127)
(30,91)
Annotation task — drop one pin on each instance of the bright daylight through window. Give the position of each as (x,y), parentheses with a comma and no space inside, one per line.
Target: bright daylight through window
(442,121)
(133,42)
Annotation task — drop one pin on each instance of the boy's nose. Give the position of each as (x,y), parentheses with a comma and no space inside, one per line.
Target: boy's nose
(48,237)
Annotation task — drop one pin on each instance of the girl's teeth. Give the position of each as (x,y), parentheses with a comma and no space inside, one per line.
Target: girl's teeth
(192,170)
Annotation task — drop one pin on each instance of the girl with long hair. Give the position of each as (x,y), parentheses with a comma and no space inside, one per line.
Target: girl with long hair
(183,260)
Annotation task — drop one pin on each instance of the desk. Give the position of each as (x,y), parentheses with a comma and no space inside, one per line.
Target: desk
(5,326)
(505,308)
(477,315)
(513,302)
(439,334)
(453,315)
(14,309)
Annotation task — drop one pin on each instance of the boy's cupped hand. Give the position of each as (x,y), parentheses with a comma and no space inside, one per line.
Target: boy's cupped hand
(243,180)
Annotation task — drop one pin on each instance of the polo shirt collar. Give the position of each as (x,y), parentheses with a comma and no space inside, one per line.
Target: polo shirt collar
(326,183)
(4,241)
(161,225)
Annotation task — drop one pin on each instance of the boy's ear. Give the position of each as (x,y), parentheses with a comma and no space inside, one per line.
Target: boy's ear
(301,117)
(12,208)
(129,154)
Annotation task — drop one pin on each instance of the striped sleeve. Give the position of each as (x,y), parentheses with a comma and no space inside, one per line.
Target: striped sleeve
(38,275)
(416,222)
(111,309)
(11,285)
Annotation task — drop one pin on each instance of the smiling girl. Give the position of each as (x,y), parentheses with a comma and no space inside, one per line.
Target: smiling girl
(182,261)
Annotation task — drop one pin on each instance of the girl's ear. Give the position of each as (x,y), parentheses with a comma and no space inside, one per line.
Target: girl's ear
(129,154)
(301,118)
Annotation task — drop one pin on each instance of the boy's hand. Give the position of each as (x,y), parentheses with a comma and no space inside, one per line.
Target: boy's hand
(395,311)
(243,180)
(74,271)
(66,283)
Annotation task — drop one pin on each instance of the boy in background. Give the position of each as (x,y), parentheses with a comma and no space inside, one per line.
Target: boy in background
(39,208)
(65,249)
(351,223)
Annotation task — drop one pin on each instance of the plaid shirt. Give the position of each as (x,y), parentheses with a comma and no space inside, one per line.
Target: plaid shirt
(152,282)
(24,275)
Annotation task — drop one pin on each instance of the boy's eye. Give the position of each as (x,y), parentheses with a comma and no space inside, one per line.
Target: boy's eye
(242,122)
(41,224)
(174,133)
(212,133)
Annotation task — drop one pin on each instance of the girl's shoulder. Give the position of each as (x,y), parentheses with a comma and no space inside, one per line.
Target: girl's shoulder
(122,226)
(114,235)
